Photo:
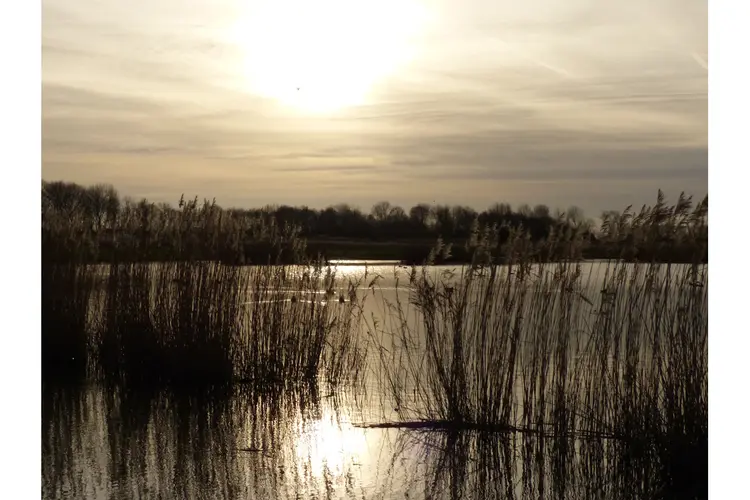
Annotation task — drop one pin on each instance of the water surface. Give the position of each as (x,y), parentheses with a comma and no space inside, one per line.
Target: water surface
(312,442)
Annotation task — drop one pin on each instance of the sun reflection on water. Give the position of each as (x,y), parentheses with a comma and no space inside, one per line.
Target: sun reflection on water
(330,446)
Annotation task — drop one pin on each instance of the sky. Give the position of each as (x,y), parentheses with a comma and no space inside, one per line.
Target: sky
(594,103)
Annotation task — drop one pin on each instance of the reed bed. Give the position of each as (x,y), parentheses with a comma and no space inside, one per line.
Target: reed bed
(67,290)
(182,319)
(195,323)
(608,351)
(569,351)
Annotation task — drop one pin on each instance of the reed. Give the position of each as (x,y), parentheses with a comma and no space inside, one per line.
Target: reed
(207,323)
(192,321)
(612,350)
(65,315)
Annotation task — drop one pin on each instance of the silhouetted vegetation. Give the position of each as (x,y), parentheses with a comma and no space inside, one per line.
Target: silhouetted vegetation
(94,225)
(521,342)
(291,444)
(204,322)
(619,353)
(186,320)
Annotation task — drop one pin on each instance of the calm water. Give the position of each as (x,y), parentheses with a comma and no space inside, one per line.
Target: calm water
(105,443)
(99,444)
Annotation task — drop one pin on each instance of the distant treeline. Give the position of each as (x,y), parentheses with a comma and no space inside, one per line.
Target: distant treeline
(95,224)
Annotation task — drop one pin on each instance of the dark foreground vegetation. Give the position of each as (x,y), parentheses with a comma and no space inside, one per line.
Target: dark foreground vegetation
(605,368)
(553,352)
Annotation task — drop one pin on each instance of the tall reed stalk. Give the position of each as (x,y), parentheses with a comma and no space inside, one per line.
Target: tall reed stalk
(608,350)
(67,289)
(206,322)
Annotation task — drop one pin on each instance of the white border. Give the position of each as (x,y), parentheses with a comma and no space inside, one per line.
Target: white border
(729,299)
(20,130)
(20,249)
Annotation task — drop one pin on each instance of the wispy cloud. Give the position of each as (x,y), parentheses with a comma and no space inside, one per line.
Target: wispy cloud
(585,102)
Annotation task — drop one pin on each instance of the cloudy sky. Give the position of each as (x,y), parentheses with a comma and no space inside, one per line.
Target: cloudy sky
(596,103)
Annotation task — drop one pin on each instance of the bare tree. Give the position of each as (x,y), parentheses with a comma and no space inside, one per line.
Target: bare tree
(444,219)
(397,214)
(500,209)
(102,204)
(524,210)
(463,218)
(420,214)
(380,211)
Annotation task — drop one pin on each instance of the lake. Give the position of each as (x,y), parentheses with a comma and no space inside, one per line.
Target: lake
(312,441)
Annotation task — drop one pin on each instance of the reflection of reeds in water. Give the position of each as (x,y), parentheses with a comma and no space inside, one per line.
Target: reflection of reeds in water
(228,443)
(238,444)
(202,323)
(474,465)
(187,321)
(539,350)
(617,356)
(544,381)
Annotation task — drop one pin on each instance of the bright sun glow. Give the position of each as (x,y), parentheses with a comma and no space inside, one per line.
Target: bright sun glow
(325,55)
(330,446)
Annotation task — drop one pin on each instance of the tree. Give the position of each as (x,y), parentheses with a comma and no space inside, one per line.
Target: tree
(541,211)
(380,211)
(500,209)
(64,197)
(420,214)
(525,210)
(463,218)
(102,204)
(444,220)
(328,222)
(397,214)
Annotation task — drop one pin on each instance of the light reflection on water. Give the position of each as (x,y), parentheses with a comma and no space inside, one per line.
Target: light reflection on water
(99,443)
(331,445)
(105,443)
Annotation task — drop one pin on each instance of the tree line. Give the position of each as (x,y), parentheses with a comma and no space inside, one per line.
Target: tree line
(102,206)
(98,222)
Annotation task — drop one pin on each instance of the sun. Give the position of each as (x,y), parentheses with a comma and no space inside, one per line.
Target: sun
(325,55)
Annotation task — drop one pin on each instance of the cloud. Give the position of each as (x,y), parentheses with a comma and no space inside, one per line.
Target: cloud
(578,102)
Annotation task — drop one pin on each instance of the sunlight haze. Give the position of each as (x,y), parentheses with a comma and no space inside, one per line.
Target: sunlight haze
(592,103)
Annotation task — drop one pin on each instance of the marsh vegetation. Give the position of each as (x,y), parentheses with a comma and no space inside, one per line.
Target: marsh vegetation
(525,372)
